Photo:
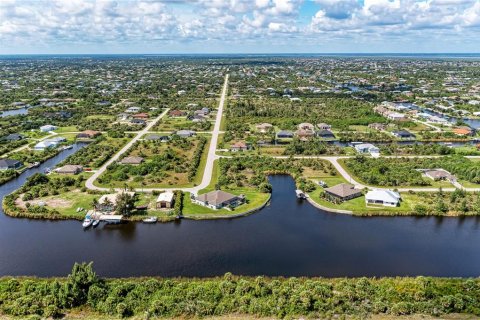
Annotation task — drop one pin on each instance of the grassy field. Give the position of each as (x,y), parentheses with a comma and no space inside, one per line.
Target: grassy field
(66,129)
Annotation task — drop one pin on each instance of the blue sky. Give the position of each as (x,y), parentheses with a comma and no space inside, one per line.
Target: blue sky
(238,26)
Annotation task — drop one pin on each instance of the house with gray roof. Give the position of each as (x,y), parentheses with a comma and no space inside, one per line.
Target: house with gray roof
(218,199)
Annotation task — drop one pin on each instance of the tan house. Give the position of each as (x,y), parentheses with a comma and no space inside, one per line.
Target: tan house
(239,146)
(264,127)
(69,169)
(342,192)
(219,199)
(132,160)
(165,200)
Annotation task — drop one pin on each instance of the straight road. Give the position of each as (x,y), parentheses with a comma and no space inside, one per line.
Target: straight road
(211,157)
(89,184)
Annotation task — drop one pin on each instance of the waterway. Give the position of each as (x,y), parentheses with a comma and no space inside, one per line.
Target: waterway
(14,112)
(287,238)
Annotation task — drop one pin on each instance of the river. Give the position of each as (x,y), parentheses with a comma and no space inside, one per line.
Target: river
(287,238)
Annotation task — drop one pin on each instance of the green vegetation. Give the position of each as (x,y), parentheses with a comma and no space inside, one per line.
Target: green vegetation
(230,295)
(402,171)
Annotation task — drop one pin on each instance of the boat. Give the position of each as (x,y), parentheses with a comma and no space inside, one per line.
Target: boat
(150,220)
(47,170)
(87,222)
(300,194)
(68,147)
(95,223)
(34,165)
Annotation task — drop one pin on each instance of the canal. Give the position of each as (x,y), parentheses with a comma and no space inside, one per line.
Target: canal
(288,238)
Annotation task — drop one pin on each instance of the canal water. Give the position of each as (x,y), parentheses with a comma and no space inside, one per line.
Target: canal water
(14,112)
(287,238)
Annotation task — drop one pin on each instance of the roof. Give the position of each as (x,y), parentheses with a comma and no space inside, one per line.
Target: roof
(284,133)
(239,144)
(8,162)
(70,168)
(362,146)
(403,133)
(462,131)
(384,195)
(216,197)
(325,133)
(132,160)
(165,196)
(343,190)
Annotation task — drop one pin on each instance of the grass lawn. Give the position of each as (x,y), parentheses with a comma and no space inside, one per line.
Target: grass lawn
(433,184)
(66,129)
(101,116)
(68,202)
(468,184)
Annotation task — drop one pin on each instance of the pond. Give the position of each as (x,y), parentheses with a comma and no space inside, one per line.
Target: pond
(287,238)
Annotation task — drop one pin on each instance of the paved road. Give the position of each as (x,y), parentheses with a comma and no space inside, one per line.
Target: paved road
(211,157)
(334,161)
(89,184)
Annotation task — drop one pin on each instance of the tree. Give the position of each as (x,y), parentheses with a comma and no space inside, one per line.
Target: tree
(125,203)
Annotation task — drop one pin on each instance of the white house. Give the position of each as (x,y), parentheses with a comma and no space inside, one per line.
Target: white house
(48,143)
(386,198)
(367,148)
(48,128)
(395,116)
(133,109)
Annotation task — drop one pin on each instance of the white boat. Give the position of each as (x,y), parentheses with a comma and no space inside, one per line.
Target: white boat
(95,223)
(300,194)
(150,220)
(67,147)
(87,223)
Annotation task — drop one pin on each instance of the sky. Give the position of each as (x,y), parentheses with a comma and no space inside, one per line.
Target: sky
(239,26)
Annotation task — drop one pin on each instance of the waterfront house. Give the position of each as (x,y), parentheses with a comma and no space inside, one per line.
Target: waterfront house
(403,134)
(284,134)
(219,199)
(342,192)
(367,148)
(69,169)
(108,202)
(165,200)
(132,160)
(88,134)
(239,146)
(48,143)
(325,134)
(384,197)
(6,164)
(395,116)
(464,131)
(264,127)
(324,126)
(306,126)
(48,128)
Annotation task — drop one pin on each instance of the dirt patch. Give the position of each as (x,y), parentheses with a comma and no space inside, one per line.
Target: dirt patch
(52,203)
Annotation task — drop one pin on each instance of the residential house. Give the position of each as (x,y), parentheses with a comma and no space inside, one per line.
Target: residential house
(142,116)
(124,116)
(138,121)
(342,192)
(284,134)
(69,169)
(384,197)
(133,110)
(239,146)
(366,148)
(264,127)
(177,113)
(439,174)
(403,134)
(48,128)
(378,126)
(324,126)
(48,143)
(165,200)
(306,126)
(88,134)
(132,160)
(219,199)
(156,137)
(464,131)
(395,116)
(13,137)
(6,164)
(305,134)
(108,202)
(185,133)
(325,134)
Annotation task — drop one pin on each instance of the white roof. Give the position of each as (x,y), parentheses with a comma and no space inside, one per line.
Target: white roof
(383,195)
(165,196)
(365,146)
